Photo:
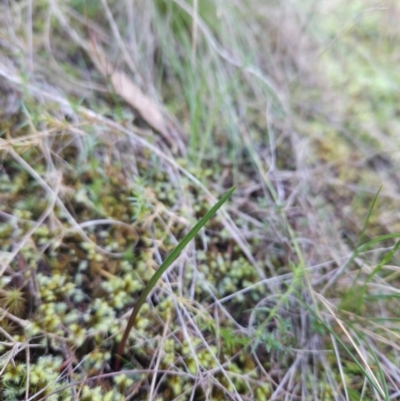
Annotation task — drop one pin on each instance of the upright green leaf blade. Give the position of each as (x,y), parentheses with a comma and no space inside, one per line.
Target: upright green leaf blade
(164,266)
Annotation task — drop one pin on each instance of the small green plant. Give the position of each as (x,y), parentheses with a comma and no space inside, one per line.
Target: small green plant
(13,300)
(164,266)
(139,200)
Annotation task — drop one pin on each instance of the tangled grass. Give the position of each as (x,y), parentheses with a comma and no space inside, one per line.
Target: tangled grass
(121,123)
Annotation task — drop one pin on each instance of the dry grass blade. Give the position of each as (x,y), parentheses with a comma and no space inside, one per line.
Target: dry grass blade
(133,95)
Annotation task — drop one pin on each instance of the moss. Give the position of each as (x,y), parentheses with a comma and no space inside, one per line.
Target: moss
(43,378)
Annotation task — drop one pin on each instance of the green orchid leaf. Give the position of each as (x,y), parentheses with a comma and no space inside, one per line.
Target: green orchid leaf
(161,270)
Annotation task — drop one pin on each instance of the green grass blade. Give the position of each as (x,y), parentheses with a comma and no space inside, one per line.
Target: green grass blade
(381,373)
(370,210)
(385,260)
(381,238)
(359,245)
(348,351)
(164,266)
